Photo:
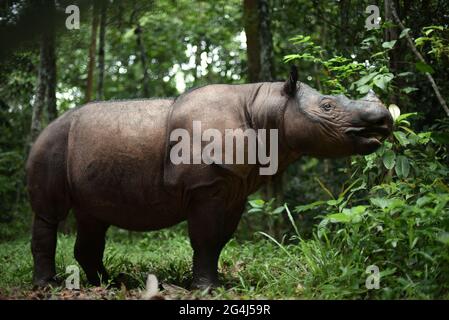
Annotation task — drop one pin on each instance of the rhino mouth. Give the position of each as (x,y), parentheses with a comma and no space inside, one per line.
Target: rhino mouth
(369,138)
(379,133)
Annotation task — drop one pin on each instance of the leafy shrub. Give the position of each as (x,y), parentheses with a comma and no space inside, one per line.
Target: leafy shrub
(394,214)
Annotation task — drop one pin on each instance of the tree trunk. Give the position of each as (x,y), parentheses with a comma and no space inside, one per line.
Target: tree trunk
(259,50)
(101,42)
(92,51)
(344,41)
(51,77)
(143,59)
(266,42)
(39,99)
(252,31)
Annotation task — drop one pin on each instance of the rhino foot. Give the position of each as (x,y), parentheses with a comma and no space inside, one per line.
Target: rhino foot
(46,283)
(205,284)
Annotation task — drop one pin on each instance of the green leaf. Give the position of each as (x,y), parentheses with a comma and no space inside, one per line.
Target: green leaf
(255,210)
(384,203)
(364,89)
(406,115)
(387,272)
(389,44)
(402,166)
(365,79)
(411,132)
(309,206)
(358,210)
(339,217)
(389,159)
(405,74)
(407,90)
(257,203)
(421,40)
(428,30)
(423,201)
(443,237)
(382,80)
(380,202)
(423,67)
(334,202)
(291,57)
(441,28)
(348,215)
(404,32)
(401,137)
(278,210)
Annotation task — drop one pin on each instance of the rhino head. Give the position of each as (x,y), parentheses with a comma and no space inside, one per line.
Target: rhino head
(328,126)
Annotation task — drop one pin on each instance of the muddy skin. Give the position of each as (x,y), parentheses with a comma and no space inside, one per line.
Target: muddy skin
(108,161)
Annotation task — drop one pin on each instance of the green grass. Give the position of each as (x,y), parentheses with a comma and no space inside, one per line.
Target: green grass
(249,269)
(256,269)
(259,268)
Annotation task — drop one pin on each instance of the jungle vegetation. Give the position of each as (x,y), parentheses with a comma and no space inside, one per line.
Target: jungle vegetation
(313,232)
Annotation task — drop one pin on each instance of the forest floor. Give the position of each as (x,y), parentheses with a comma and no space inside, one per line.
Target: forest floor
(249,269)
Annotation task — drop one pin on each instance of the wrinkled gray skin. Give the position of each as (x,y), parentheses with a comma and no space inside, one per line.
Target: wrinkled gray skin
(109,162)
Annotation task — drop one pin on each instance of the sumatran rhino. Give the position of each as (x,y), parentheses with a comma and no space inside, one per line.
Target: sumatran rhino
(110,162)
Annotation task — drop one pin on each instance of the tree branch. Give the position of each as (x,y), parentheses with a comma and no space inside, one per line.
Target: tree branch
(421,58)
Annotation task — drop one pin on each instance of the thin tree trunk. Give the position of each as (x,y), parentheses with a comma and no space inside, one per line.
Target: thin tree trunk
(343,38)
(51,80)
(274,186)
(39,99)
(143,59)
(266,42)
(420,58)
(197,62)
(92,51)
(259,50)
(100,85)
(251,23)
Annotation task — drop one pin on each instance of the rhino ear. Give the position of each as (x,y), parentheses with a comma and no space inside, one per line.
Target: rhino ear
(290,85)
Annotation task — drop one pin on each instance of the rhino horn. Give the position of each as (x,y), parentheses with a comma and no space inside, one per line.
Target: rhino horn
(371,96)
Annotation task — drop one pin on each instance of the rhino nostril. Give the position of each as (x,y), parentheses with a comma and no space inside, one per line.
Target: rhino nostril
(379,121)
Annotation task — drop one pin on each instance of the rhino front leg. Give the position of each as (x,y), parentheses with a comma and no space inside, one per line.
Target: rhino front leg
(210,228)
(89,248)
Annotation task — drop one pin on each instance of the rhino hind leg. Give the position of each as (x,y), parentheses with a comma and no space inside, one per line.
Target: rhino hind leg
(49,196)
(50,205)
(43,247)
(89,248)
(210,228)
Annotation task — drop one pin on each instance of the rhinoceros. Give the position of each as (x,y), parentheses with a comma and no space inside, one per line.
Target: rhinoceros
(110,163)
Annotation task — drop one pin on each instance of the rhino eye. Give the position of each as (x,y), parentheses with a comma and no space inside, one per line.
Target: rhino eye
(327,106)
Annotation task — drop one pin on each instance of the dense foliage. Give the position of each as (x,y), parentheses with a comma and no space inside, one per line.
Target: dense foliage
(330,220)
